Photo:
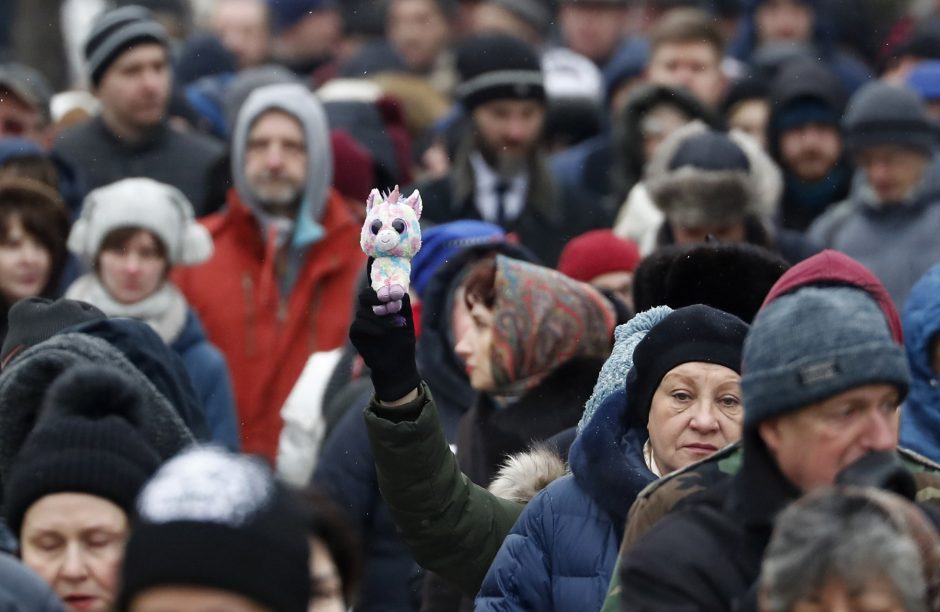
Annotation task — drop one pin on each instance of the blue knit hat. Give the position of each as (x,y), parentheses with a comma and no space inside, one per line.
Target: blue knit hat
(815,343)
(442,242)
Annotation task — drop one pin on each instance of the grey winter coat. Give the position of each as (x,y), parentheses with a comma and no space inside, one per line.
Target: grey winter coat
(897,242)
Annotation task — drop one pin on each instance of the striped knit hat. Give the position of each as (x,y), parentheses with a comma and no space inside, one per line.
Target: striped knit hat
(115,32)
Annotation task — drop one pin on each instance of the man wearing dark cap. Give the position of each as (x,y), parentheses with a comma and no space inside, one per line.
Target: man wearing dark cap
(805,139)
(889,222)
(24,104)
(499,172)
(306,33)
(128,66)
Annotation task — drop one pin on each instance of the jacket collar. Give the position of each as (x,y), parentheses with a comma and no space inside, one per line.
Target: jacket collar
(607,458)
(541,197)
(759,491)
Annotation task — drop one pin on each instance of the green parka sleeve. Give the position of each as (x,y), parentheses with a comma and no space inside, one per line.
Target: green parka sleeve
(452,526)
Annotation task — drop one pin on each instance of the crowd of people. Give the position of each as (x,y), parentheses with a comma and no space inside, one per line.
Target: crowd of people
(671,340)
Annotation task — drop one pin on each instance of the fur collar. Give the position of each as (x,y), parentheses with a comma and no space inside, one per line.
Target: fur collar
(523,475)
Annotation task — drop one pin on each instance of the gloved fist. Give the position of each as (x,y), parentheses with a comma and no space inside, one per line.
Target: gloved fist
(387,345)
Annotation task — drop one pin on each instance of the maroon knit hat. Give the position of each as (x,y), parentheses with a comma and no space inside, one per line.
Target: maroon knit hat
(597,252)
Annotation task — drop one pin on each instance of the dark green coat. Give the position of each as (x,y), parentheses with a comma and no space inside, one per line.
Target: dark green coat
(452,526)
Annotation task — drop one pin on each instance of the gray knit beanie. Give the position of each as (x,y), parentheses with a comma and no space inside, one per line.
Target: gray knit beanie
(815,343)
(883,114)
(115,32)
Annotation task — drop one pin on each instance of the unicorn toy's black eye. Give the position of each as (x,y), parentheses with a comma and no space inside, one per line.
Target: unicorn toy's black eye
(376,226)
(399,226)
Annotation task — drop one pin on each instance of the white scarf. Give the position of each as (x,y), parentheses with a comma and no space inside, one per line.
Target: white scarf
(164,310)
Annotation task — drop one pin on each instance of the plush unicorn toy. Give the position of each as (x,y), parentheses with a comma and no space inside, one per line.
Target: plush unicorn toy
(391,234)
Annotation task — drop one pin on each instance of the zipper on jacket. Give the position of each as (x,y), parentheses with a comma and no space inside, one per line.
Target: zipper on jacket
(312,314)
(251,342)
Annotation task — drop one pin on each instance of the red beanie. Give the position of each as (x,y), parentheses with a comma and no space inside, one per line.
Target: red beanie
(597,252)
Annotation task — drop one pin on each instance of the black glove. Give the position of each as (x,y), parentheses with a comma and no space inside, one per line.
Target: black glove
(387,345)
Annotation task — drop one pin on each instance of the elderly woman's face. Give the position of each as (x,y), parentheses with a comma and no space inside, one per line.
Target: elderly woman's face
(695,411)
(474,348)
(75,542)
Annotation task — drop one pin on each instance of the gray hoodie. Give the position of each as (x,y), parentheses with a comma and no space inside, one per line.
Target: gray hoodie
(300,103)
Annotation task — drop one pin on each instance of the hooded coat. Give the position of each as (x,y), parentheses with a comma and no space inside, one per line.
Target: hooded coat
(267,322)
(920,416)
(897,242)
(562,550)
(803,201)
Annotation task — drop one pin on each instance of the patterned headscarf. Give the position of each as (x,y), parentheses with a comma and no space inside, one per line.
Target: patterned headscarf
(541,319)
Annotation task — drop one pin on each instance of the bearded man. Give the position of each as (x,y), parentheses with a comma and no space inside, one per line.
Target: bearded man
(499,171)
(280,284)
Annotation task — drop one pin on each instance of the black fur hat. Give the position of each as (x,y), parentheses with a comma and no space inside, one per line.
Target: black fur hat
(733,277)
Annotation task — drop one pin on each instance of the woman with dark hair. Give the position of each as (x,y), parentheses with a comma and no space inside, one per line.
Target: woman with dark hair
(34,226)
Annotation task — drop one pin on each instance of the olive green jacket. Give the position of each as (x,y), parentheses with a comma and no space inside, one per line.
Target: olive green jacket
(453,527)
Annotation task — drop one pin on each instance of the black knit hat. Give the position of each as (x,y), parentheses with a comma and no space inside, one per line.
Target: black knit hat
(693,333)
(86,441)
(497,66)
(213,519)
(115,32)
(883,114)
(32,320)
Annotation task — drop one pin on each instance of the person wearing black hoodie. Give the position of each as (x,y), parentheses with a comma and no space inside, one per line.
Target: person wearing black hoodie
(805,139)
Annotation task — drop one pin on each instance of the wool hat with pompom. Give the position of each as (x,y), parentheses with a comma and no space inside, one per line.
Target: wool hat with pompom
(86,440)
(213,519)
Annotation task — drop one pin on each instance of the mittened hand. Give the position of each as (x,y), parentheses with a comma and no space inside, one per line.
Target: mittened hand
(387,345)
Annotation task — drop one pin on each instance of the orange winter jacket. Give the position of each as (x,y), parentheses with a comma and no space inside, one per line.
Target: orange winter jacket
(265,338)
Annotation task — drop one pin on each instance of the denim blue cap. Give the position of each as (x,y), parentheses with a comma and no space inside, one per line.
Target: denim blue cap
(815,343)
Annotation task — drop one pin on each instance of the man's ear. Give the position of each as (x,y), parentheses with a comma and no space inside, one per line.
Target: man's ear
(769,432)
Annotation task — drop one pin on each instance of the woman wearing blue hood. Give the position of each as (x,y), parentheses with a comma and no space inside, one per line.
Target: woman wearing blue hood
(920,417)
(680,404)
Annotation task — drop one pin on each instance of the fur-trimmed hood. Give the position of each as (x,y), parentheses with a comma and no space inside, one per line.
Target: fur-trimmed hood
(695,197)
(523,475)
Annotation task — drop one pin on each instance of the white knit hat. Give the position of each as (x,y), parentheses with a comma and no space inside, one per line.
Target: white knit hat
(145,203)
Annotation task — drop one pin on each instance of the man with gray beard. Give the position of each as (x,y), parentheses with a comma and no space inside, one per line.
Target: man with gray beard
(280,284)
(499,172)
